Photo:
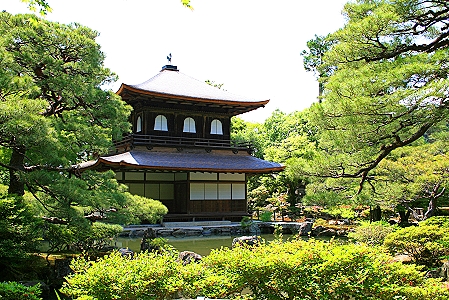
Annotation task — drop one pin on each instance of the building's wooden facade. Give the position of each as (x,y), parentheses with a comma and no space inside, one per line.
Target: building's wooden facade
(180,151)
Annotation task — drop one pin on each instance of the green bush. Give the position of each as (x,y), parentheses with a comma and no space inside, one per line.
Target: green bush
(92,237)
(145,210)
(16,291)
(146,276)
(19,229)
(440,221)
(291,270)
(97,237)
(266,216)
(425,244)
(372,233)
(340,212)
(320,270)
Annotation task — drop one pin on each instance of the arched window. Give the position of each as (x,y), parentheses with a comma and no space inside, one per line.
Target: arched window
(216,127)
(139,124)
(160,123)
(189,125)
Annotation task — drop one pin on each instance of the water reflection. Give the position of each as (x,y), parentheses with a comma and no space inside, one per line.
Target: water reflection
(201,245)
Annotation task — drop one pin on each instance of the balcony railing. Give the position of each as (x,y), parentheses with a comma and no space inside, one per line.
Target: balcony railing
(150,141)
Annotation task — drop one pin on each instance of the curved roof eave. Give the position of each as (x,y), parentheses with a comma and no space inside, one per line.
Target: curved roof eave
(261,103)
(249,171)
(102,162)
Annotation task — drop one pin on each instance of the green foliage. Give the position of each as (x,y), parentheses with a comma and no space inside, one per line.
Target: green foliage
(373,233)
(290,270)
(20,233)
(387,91)
(266,216)
(162,244)
(425,244)
(54,116)
(98,237)
(340,212)
(246,222)
(146,276)
(440,221)
(88,238)
(15,291)
(313,57)
(19,229)
(146,210)
(43,6)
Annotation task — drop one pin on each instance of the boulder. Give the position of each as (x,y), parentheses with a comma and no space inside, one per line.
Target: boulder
(187,257)
(179,233)
(328,232)
(126,252)
(252,240)
(148,235)
(444,271)
(305,228)
(317,230)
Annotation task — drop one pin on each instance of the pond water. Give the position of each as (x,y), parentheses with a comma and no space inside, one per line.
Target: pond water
(201,245)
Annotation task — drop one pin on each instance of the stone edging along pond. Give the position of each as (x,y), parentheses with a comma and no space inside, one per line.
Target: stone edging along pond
(207,228)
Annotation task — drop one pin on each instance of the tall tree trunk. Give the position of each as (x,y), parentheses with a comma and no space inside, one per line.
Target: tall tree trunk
(404,216)
(16,186)
(320,91)
(376,214)
(431,209)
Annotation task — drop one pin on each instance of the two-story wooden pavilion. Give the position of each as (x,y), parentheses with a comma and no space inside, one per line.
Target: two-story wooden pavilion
(180,151)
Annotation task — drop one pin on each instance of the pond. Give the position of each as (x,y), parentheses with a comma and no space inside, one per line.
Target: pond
(201,245)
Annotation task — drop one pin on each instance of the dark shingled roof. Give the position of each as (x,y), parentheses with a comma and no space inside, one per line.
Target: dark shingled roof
(184,161)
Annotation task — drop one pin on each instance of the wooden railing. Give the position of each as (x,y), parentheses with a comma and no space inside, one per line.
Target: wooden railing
(132,140)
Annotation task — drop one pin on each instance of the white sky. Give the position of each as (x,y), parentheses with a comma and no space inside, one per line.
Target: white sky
(251,46)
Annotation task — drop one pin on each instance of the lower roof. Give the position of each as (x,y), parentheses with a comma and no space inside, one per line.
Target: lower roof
(184,161)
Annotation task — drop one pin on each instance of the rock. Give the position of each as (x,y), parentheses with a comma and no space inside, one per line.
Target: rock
(393,222)
(149,234)
(342,232)
(165,232)
(126,252)
(345,222)
(317,230)
(444,271)
(62,268)
(179,233)
(187,257)
(246,240)
(328,232)
(207,232)
(194,232)
(305,228)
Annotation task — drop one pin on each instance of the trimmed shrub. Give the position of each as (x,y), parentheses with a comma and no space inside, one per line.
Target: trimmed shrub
(15,291)
(266,216)
(320,270)
(440,221)
(291,270)
(426,244)
(146,276)
(372,233)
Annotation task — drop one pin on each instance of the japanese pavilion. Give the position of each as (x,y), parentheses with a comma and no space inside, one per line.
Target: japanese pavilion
(180,151)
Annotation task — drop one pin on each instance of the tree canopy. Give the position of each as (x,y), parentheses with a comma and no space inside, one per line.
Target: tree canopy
(389,86)
(55,115)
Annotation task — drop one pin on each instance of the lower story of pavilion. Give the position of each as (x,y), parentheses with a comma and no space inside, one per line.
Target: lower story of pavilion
(195,186)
